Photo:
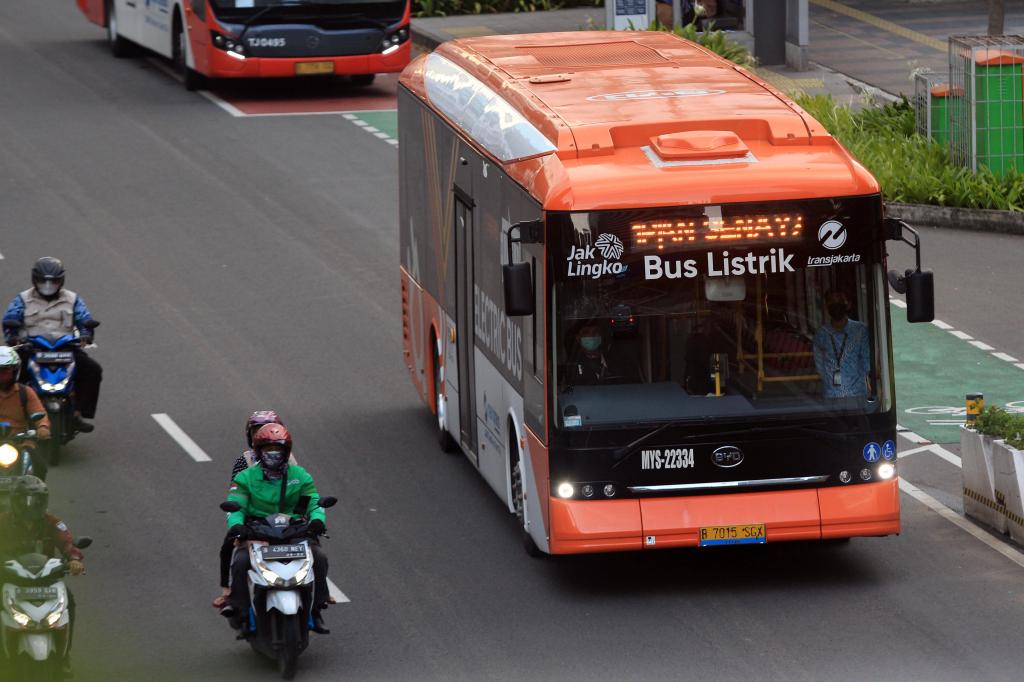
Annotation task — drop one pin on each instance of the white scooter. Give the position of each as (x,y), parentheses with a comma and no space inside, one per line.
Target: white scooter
(35,624)
(280,586)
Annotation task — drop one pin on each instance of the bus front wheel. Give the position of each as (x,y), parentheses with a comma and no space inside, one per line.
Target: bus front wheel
(519,501)
(192,79)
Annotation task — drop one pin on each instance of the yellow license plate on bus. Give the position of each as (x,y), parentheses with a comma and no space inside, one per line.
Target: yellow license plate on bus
(746,534)
(313,68)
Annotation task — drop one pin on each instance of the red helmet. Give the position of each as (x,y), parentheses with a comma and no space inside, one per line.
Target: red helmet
(258,419)
(273,445)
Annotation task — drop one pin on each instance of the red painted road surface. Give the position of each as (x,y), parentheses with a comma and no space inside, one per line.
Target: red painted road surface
(307,95)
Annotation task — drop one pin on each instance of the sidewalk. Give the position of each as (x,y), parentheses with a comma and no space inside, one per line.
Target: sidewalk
(877,43)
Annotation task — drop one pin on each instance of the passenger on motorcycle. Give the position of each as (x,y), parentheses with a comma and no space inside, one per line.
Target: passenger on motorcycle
(258,490)
(248,458)
(29,523)
(49,308)
(18,401)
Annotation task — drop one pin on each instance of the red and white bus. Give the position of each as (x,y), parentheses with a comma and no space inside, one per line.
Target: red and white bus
(645,294)
(261,38)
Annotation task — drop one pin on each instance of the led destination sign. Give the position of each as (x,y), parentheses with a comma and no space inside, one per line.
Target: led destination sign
(657,234)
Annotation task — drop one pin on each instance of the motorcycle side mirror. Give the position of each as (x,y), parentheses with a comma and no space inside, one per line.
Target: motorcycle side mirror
(327,502)
(91,324)
(230,506)
(36,416)
(83,542)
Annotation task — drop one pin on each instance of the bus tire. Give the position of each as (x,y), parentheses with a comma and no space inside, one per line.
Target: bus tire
(519,500)
(119,47)
(444,439)
(192,79)
(363,79)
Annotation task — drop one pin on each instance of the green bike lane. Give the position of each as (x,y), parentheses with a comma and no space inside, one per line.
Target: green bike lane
(935,369)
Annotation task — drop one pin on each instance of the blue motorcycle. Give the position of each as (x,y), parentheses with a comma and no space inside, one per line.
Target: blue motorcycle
(51,368)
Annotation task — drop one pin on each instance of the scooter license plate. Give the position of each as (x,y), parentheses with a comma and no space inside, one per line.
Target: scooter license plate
(284,552)
(36,593)
(55,356)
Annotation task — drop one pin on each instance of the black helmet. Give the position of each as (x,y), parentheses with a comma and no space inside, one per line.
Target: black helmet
(46,273)
(30,498)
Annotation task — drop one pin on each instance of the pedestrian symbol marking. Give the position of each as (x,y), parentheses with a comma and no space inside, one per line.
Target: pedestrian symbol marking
(872,452)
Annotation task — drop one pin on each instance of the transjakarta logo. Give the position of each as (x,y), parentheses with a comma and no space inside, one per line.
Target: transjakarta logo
(719,265)
(652,94)
(584,262)
(832,235)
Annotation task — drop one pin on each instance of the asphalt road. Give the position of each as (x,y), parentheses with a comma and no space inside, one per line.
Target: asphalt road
(248,263)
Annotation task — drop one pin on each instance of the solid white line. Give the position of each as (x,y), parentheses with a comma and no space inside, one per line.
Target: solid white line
(226,106)
(961,335)
(954,518)
(981,344)
(186,443)
(336,592)
(911,436)
(914,451)
(898,303)
(942,325)
(1004,356)
(946,455)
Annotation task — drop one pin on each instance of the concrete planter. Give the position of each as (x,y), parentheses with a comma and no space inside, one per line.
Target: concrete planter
(1008,468)
(978,474)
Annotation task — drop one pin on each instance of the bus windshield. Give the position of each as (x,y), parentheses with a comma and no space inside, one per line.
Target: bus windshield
(277,11)
(678,338)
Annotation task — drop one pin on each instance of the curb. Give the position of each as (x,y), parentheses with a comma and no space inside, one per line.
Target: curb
(424,38)
(950,218)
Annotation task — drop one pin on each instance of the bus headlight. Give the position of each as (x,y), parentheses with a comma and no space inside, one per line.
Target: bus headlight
(565,490)
(233,47)
(393,41)
(886,471)
(8,455)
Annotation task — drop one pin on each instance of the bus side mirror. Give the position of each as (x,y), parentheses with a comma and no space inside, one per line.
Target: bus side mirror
(518,282)
(918,285)
(516,277)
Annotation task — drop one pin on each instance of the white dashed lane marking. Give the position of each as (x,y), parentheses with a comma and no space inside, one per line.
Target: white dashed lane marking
(181,438)
(964,336)
(336,592)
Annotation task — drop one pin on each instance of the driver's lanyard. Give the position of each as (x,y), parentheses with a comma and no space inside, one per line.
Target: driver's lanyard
(837,375)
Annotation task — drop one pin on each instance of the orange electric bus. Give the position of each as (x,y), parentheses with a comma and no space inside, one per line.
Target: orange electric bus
(645,294)
(261,38)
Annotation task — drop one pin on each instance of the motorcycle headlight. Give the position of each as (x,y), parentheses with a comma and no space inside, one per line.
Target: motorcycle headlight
(20,618)
(55,616)
(301,574)
(8,455)
(59,386)
(271,577)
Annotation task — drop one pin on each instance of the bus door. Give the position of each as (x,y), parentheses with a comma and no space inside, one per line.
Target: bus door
(464,336)
(129,18)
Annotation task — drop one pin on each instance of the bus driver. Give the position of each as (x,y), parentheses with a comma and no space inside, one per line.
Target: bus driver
(842,352)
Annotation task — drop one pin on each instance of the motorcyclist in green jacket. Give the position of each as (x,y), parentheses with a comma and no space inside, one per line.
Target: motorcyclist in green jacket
(258,491)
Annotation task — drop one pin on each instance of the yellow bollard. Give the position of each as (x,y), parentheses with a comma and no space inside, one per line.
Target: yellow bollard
(975,402)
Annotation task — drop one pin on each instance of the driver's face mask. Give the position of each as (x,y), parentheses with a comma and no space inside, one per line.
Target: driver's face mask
(48,287)
(273,458)
(590,343)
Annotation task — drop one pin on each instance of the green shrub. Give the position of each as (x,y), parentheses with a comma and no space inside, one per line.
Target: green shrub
(711,38)
(910,168)
(1000,424)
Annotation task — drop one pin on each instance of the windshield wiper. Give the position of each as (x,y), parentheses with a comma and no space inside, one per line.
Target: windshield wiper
(623,453)
(262,13)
